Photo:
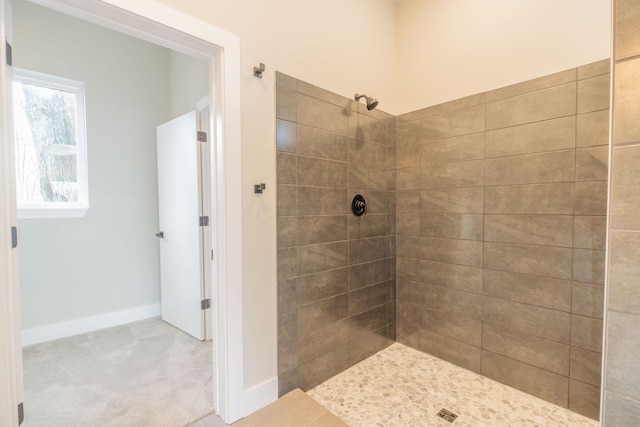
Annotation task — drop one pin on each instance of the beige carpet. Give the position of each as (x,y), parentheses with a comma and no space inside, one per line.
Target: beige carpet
(143,374)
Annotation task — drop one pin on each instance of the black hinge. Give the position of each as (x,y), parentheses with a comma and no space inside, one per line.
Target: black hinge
(204,221)
(9,51)
(205,303)
(202,136)
(14,237)
(20,413)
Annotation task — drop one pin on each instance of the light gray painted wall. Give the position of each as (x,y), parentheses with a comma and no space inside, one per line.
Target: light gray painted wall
(189,82)
(107,261)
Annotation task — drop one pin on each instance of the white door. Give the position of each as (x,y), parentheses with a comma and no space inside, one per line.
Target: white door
(180,236)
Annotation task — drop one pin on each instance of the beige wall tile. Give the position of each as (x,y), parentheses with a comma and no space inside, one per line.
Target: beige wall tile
(323,340)
(626,107)
(591,198)
(462,252)
(538,382)
(538,321)
(320,143)
(369,321)
(322,201)
(529,259)
(588,266)
(318,370)
(408,201)
(285,80)
(286,168)
(287,234)
(587,299)
(552,230)
(286,107)
(453,301)
(586,333)
(589,232)
(453,226)
(407,132)
(367,153)
(458,104)
(540,352)
(287,200)
(624,271)
(627,27)
(321,173)
(321,313)
(456,149)
(365,346)
(620,410)
(456,327)
(408,155)
(287,263)
(530,199)
(548,135)
(585,366)
(625,181)
(285,136)
(623,353)
(366,250)
(324,284)
(557,166)
(453,200)
(584,399)
(321,114)
(451,276)
(535,290)
(453,123)
(592,164)
(369,273)
(592,129)
(408,223)
(408,179)
(558,101)
(533,85)
(593,93)
(456,352)
(460,174)
(594,69)
(321,94)
(372,225)
(363,127)
(325,256)
(408,268)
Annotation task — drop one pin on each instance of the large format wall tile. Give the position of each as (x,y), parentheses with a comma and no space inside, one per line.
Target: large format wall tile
(336,271)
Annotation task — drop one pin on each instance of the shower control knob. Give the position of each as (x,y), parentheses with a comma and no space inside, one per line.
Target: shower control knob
(359,205)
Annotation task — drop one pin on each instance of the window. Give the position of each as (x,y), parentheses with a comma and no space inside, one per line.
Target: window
(50,151)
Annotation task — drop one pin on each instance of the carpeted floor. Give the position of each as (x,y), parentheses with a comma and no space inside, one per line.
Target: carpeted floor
(142,374)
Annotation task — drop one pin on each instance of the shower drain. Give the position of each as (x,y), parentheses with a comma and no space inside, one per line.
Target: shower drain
(447,415)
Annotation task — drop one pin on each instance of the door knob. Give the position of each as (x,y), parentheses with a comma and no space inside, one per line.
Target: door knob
(160,234)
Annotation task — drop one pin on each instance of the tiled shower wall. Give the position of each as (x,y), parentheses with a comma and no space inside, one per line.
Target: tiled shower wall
(336,271)
(622,348)
(501,204)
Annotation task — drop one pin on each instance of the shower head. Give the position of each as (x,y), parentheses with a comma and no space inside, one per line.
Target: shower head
(371,103)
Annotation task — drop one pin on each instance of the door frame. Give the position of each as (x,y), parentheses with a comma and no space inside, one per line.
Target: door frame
(160,24)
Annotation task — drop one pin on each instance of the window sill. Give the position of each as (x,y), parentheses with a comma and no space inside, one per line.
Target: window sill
(52,212)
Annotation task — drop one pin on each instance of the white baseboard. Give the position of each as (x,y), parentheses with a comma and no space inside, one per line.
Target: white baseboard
(88,324)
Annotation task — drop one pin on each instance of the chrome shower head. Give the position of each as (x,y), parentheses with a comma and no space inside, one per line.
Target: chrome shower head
(371,103)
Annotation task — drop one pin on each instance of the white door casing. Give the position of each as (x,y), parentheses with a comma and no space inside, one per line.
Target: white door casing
(180,231)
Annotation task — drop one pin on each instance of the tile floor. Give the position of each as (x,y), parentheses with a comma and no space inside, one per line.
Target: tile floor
(400,387)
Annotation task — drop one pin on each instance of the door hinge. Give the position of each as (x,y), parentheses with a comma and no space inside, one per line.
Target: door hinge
(9,51)
(211,253)
(202,136)
(14,237)
(205,303)
(20,413)
(204,221)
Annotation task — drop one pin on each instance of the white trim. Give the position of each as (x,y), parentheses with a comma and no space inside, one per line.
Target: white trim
(155,22)
(70,328)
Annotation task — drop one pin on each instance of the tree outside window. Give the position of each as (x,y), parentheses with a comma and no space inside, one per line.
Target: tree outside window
(50,150)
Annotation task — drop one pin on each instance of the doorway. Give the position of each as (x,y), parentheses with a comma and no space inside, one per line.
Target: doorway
(152,22)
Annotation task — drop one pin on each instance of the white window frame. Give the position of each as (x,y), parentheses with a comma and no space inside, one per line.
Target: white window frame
(35,210)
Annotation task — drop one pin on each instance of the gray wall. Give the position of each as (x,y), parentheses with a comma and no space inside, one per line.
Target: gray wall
(621,380)
(107,261)
(189,82)
(501,204)
(335,270)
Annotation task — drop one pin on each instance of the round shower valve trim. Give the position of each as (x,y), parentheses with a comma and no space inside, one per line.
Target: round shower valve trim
(359,205)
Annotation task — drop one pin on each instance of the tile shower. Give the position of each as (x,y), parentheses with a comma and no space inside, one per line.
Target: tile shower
(486,233)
